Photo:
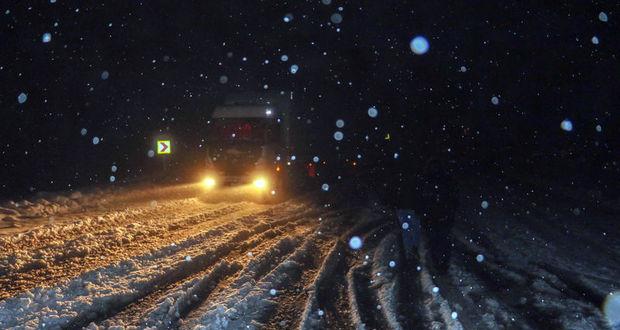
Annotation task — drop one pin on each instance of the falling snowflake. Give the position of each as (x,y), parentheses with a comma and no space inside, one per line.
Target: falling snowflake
(21,98)
(454,315)
(566,125)
(223,79)
(595,40)
(340,123)
(273,292)
(315,159)
(602,16)
(288,17)
(373,112)
(105,75)
(96,140)
(463,69)
(83,131)
(325,187)
(480,258)
(338,136)
(599,128)
(112,178)
(46,37)
(392,264)
(114,168)
(484,204)
(284,58)
(405,225)
(188,258)
(336,18)
(151,153)
(355,243)
(435,290)
(326,2)
(294,68)
(419,45)
(495,100)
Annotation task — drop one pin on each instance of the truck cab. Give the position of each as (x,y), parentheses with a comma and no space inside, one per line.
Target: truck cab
(248,141)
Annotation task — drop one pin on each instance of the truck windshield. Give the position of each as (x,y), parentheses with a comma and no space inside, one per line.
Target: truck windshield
(243,130)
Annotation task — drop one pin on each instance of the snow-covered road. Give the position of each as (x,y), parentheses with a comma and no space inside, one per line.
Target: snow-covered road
(173,258)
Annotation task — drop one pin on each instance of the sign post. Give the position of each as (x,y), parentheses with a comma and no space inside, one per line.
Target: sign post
(164,148)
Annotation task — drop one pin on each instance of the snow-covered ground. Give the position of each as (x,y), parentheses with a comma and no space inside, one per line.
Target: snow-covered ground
(172,258)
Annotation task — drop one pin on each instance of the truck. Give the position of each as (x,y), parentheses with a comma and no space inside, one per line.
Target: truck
(248,142)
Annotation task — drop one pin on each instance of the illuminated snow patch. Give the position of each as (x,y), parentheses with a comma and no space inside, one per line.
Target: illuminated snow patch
(602,16)
(495,100)
(484,204)
(338,136)
(96,140)
(47,37)
(21,98)
(105,75)
(336,18)
(566,125)
(325,187)
(611,309)
(419,45)
(340,123)
(294,68)
(83,131)
(355,243)
(480,258)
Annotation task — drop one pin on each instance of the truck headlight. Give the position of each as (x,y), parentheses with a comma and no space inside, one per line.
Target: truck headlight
(260,183)
(208,182)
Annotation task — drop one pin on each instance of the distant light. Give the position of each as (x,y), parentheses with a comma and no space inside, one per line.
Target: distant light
(268,112)
(21,98)
(340,123)
(595,40)
(480,258)
(419,45)
(338,136)
(599,128)
(325,187)
(602,16)
(105,75)
(288,17)
(373,112)
(223,79)
(495,100)
(96,140)
(83,131)
(315,159)
(484,204)
(355,243)
(336,18)
(294,68)
(47,37)
(284,58)
(566,125)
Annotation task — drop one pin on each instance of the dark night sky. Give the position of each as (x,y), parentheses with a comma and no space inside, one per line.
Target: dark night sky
(165,60)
